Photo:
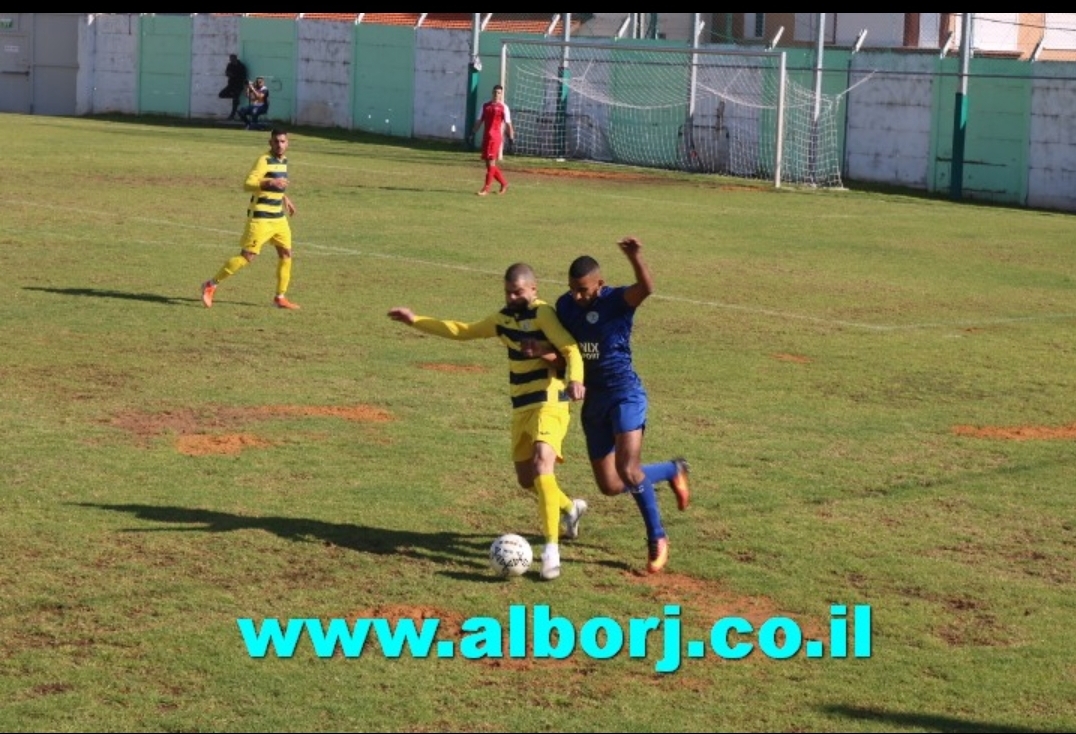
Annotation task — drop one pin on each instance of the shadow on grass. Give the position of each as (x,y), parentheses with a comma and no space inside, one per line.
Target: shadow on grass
(411,189)
(122,295)
(619,565)
(324,133)
(441,547)
(928,722)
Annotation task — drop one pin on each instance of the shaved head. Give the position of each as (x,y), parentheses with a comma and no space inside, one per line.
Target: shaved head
(520,287)
(520,272)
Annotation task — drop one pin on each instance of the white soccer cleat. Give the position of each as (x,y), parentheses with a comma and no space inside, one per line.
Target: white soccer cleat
(570,526)
(550,562)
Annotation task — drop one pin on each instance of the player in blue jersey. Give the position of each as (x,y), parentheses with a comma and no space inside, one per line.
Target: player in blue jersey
(600,318)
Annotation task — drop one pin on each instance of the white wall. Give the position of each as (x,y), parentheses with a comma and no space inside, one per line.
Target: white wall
(1060,31)
(84,78)
(323,93)
(671,26)
(115,65)
(213,39)
(1051,159)
(889,121)
(441,72)
(884,30)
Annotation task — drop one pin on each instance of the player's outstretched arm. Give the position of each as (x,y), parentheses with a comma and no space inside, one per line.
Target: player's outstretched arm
(484,329)
(644,281)
(403,315)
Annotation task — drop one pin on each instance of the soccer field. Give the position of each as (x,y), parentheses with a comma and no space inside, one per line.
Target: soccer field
(875,390)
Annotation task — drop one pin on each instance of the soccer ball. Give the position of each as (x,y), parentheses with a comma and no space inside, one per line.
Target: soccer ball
(510,555)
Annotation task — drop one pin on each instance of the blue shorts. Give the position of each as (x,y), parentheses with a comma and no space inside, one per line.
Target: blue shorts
(605,417)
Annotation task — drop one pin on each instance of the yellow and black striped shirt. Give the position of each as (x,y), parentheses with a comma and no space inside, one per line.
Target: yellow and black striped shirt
(266,204)
(531,380)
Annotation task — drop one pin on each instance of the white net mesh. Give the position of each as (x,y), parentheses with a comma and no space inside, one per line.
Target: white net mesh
(652,107)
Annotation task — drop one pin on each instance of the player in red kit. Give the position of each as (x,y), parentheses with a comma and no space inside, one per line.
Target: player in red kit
(496,118)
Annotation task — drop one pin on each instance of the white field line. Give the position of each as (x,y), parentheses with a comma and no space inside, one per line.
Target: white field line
(755,310)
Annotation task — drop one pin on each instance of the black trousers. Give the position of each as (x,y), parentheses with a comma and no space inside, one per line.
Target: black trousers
(234,94)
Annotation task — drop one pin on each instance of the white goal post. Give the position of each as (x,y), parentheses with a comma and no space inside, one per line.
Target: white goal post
(731,112)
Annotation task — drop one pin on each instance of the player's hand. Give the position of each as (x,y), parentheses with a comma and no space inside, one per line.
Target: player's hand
(576,391)
(274,184)
(403,315)
(289,206)
(531,348)
(510,146)
(630,246)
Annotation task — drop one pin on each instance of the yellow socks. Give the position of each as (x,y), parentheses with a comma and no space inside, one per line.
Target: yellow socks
(230,268)
(551,501)
(283,275)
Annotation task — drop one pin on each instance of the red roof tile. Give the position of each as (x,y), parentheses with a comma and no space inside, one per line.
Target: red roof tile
(502,23)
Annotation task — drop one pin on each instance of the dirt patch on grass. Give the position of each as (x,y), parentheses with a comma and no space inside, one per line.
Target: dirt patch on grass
(632,176)
(362,413)
(201,444)
(443,367)
(969,622)
(450,623)
(963,620)
(1019,433)
(450,627)
(217,430)
(797,358)
(704,602)
(624,176)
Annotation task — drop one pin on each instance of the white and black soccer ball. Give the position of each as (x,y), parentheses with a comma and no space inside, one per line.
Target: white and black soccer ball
(510,555)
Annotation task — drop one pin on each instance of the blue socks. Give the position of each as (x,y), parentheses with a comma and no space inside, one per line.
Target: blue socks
(648,506)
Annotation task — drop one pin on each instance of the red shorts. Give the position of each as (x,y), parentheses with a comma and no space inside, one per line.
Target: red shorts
(491,148)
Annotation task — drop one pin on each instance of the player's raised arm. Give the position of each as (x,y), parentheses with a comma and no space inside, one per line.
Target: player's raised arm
(644,281)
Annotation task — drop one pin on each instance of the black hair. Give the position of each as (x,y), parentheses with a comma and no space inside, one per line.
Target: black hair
(583,266)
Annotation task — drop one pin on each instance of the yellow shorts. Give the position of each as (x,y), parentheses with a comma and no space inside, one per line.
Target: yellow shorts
(540,423)
(260,231)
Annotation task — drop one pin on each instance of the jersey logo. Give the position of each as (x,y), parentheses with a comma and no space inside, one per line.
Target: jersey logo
(592,317)
(526,325)
(590,350)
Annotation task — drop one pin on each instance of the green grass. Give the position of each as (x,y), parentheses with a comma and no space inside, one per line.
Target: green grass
(812,352)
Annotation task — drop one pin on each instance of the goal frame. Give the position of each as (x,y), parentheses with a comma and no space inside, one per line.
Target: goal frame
(691,54)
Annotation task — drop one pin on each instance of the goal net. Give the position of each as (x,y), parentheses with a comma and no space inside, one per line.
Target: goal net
(705,110)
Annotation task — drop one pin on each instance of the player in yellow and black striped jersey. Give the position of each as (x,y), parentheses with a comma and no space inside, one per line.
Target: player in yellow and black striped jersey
(540,395)
(267,221)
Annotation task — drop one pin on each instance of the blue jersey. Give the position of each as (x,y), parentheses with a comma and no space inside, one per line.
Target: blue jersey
(603,332)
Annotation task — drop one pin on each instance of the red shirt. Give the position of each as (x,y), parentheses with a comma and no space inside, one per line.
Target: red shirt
(494,115)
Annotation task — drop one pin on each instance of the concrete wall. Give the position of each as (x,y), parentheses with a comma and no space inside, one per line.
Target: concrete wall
(213,40)
(115,63)
(414,83)
(442,59)
(890,119)
(323,97)
(1051,161)
(87,59)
